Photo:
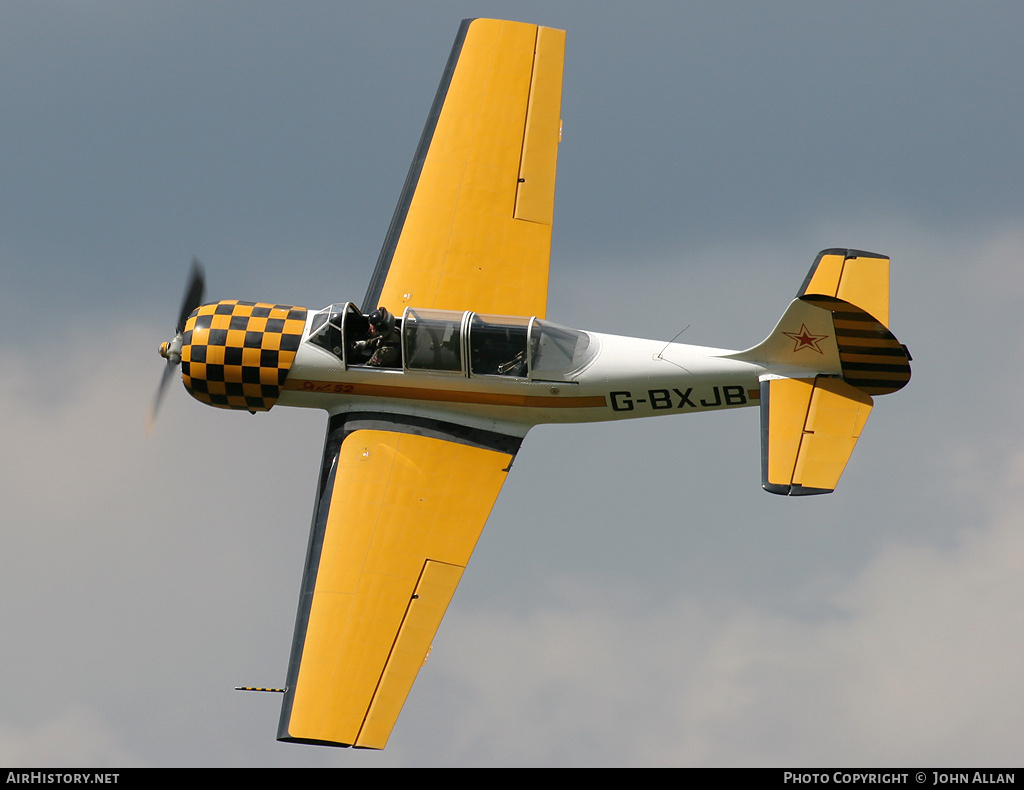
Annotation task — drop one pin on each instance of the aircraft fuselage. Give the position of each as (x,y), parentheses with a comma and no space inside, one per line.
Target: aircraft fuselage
(621,378)
(500,373)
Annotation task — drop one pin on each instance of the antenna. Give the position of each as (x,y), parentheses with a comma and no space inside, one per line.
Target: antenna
(669,343)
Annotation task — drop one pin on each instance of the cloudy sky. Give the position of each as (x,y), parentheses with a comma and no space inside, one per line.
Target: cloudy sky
(636,598)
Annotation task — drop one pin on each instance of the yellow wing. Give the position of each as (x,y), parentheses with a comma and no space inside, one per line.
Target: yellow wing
(401,504)
(472,230)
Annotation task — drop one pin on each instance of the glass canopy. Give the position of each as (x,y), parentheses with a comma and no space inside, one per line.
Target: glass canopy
(457,343)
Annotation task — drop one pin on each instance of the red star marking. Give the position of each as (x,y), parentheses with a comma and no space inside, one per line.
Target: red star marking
(804,339)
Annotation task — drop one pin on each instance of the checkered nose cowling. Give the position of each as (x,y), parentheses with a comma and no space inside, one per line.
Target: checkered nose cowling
(236,355)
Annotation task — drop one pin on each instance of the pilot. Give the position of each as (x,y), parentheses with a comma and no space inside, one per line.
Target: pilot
(382,339)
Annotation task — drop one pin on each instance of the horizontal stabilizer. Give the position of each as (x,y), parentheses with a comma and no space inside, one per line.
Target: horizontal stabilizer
(809,428)
(857,277)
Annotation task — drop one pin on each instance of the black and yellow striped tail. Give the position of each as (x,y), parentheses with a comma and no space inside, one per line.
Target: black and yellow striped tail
(838,326)
(871,357)
(830,353)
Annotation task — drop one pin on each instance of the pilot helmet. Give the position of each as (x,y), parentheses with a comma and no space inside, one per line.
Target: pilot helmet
(382,321)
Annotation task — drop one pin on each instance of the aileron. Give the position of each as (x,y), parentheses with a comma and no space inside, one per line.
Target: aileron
(535,193)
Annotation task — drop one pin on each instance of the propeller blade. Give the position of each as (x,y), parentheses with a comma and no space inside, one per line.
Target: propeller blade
(172,351)
(193,294)
(169,372)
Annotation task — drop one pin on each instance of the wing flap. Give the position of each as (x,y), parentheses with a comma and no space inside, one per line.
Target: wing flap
(400,511)
(429,602)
